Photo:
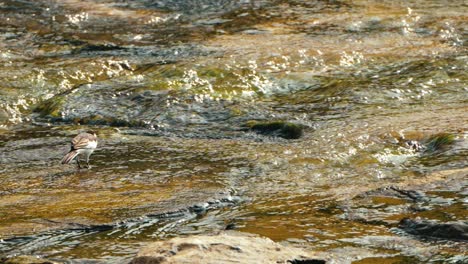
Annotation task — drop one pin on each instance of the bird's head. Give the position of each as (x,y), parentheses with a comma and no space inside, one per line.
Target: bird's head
(92,132)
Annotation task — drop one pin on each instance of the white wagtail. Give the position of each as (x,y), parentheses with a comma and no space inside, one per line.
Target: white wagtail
(82,145)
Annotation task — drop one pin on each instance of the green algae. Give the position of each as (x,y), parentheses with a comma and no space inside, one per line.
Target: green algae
(389,260)
(51,107)
(440,142)
(278,128)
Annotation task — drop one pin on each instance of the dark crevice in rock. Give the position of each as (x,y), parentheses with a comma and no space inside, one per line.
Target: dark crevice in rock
(393,191)
(434,229)
(307,261)
(98,48)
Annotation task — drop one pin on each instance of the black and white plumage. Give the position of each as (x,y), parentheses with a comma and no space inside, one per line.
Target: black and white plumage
(82,145)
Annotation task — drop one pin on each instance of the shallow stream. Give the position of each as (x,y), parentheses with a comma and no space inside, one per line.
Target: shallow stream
(313,123)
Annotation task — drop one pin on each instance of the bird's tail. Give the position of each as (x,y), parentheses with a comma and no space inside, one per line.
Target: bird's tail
(69,157)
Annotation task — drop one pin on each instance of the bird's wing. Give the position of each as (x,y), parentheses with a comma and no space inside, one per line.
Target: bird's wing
(81,141)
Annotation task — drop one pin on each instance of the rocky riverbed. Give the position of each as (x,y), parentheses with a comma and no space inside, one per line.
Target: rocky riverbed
(332,130)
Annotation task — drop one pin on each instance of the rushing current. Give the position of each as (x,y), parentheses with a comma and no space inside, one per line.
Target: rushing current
(319,124)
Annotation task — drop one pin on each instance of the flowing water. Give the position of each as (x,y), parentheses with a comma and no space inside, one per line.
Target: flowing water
(377,89)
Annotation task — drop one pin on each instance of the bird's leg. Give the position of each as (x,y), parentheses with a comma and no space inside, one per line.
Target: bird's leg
(87,162)
(78,162)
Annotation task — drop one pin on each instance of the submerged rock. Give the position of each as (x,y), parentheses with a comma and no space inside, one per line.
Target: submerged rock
(428,228)
(440,142)
(427,144)
(282,129)
(26,260)
(228,247)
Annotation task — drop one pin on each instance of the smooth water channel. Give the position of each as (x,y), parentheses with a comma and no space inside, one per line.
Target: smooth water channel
(308,122)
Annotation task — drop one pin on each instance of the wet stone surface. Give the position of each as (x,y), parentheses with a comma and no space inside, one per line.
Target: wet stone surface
(434,229)
(46,195)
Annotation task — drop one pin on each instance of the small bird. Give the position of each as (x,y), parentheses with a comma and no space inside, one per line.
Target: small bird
(82,145)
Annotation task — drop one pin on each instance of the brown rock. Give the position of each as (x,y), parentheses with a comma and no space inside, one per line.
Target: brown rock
(227,247)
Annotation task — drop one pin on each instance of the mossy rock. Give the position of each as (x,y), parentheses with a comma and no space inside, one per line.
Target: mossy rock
(51,107)
(281,129)
(236,111)
(440,142)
